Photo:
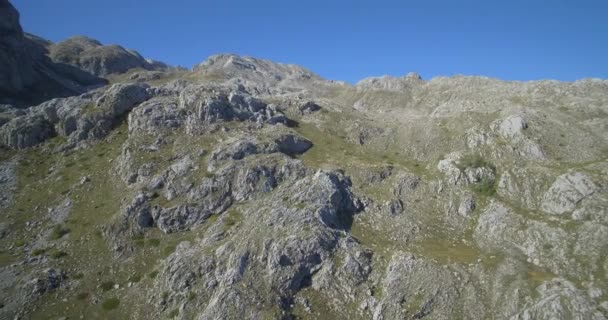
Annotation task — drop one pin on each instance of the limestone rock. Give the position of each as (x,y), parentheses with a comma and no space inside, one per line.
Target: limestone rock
(566,193)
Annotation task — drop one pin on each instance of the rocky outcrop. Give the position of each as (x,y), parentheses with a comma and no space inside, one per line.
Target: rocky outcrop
(90,116)
(567,192)
(388,83)
(257,76)
(8,182)
(206,108)
(416,288)
(257,255)
(457,197)
(560,299)
(48,281)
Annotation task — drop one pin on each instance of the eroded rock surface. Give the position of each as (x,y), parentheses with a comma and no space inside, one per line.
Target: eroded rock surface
(248,189)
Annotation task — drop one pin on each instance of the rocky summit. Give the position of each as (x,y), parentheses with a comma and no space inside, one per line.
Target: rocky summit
(249,189)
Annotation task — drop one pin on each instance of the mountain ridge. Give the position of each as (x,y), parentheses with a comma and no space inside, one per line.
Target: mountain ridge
(249,189)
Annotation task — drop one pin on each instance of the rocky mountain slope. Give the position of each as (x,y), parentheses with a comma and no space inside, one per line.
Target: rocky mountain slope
(249,189)
(28,76)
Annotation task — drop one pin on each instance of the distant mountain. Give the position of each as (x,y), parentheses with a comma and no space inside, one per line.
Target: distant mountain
(90,55)
(33,69)
(27,75)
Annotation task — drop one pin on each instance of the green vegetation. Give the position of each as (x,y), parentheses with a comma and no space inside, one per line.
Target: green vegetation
(57,254)
(82,295)
(20,243)
(39,251)
(173,314)
(486,187)
(106,285)
(154,242)
(191,295)
(6,259)
(231,218)
(153,274)
(110,304)
(474,161)
(135,278)
(58,232)
(168,250)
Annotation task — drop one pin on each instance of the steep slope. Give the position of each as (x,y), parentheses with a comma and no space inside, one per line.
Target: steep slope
(27,75)
(248,189)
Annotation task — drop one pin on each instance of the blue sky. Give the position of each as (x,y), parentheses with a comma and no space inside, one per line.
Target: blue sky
(350,40)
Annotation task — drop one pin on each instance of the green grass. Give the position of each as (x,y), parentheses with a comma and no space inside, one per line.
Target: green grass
(110,304)
(107,285)
(82,296)
(135,278)
(20,243)
(173,314)
(232,218)
(58,232)
(6,259)
(168,250)
(39,251)
(153,274)
(474,161)
(57,254)
(154,242)
(486,187)
(191,295)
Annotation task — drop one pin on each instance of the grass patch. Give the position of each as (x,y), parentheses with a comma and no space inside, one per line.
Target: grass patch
(135,278)
(153,274)
(110,304)
(58,232)
(57,254)
(107,285)
(39,251)
(173,314)
(486,187)
(82,296)
(167,251)
(6,259)
(233,217)
(474,161)
(154,242)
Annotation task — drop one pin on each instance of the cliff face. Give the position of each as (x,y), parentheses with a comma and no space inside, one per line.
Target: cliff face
(250,189)
(27,75)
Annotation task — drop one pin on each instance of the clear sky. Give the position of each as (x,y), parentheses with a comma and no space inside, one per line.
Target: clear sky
(349,40)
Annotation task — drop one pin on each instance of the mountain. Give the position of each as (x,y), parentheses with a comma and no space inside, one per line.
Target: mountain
(250,189)
(27,75)
(90,55)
